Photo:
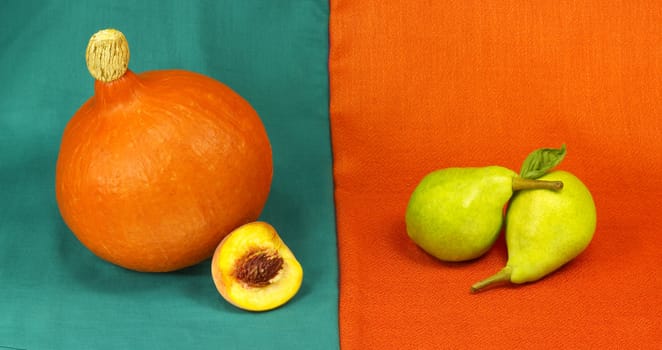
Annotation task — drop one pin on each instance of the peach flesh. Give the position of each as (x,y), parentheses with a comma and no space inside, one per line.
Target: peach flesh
(253,269)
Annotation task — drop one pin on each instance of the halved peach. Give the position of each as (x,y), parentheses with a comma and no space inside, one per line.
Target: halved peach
(253,269)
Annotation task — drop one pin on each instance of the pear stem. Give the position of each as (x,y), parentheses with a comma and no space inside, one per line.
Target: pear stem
(501,276)
(520,183)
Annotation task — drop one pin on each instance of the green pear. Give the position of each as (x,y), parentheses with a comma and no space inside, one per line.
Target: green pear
(545,230)
(456,214)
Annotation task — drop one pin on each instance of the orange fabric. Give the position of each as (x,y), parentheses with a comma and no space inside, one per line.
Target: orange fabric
(422,85)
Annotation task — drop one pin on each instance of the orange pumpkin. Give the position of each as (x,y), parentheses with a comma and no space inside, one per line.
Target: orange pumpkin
(157,168)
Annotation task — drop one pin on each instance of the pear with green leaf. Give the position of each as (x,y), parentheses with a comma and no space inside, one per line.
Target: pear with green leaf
(456,214)
(545,230)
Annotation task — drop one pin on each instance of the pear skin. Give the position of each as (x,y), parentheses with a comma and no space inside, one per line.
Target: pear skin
(456,214)
(545,230)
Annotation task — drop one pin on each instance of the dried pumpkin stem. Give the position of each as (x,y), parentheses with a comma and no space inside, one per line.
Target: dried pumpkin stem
(107,55)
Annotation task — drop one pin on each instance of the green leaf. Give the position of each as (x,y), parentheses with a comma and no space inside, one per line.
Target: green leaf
(540,161)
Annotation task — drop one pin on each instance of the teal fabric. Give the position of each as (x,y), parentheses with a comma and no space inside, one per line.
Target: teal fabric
(54,294)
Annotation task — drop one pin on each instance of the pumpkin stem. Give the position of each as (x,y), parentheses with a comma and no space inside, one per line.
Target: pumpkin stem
(107,55)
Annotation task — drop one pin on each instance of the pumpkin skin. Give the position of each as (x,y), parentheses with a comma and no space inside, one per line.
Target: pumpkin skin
(157,168)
